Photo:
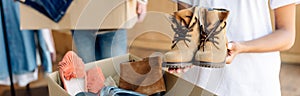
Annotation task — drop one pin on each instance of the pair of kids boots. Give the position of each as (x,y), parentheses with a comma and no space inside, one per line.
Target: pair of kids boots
(200,38)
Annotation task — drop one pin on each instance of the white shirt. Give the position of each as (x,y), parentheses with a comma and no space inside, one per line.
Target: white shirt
(250,74)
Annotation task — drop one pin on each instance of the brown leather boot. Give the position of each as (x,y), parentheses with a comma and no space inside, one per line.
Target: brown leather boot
(213,42)
(143,76)
(186,39)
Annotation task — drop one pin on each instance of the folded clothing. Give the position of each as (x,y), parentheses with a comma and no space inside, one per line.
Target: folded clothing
(114,91)
(111,91)
(53,9)
(86,94)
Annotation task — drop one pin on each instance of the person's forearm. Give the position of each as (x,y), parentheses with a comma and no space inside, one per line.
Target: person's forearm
(281,39)
(277,41)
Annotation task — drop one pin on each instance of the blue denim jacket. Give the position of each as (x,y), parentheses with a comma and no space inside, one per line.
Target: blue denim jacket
(53,9)
(22,47)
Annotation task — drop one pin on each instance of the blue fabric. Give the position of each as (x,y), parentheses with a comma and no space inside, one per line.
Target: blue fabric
(114,91)
(53,9)
(92,47)
(3,59)
(29,52)
(111,44)
(21,44)
(45,53)
(86,94)
(111,91)
(14,36)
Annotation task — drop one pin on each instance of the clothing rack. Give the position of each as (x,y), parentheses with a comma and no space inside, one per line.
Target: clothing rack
(12,88)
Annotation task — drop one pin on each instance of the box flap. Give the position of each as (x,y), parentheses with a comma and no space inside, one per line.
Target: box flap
(82,14)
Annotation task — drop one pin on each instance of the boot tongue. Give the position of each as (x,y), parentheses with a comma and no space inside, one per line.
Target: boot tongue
(212,24)
(194,18)
(184,16)
(214,15)
(222,13)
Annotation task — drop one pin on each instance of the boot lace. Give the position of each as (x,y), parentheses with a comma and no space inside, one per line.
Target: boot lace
(181,31)
(210,35)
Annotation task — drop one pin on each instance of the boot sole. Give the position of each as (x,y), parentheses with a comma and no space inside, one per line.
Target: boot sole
(209,64)
(177,64)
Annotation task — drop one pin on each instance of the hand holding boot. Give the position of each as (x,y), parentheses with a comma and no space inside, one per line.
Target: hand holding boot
(233,50)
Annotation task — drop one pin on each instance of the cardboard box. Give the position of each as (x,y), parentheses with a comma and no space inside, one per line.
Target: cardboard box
(85,14)
(165,6)
(110,67)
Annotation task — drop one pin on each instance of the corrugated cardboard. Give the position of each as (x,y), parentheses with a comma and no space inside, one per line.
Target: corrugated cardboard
(164,6)
(85,14)
(110,67)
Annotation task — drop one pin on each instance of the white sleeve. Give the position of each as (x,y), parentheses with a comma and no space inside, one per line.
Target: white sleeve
(279,3)
(47,34)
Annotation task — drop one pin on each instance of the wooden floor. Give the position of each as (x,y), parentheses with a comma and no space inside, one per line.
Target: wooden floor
(144,46)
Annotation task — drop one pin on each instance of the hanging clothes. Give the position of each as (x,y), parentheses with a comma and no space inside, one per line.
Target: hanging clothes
(44,50)
(47,35)
(21,79)
(3,58)
(22,48)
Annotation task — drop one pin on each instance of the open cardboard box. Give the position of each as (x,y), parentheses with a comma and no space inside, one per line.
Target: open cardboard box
(110,67)
(85,14)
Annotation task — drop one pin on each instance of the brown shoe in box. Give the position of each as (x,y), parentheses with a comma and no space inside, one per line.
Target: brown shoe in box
(143,76)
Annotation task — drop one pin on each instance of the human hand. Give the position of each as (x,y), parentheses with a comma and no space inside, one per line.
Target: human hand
(233,49)
(141,11)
